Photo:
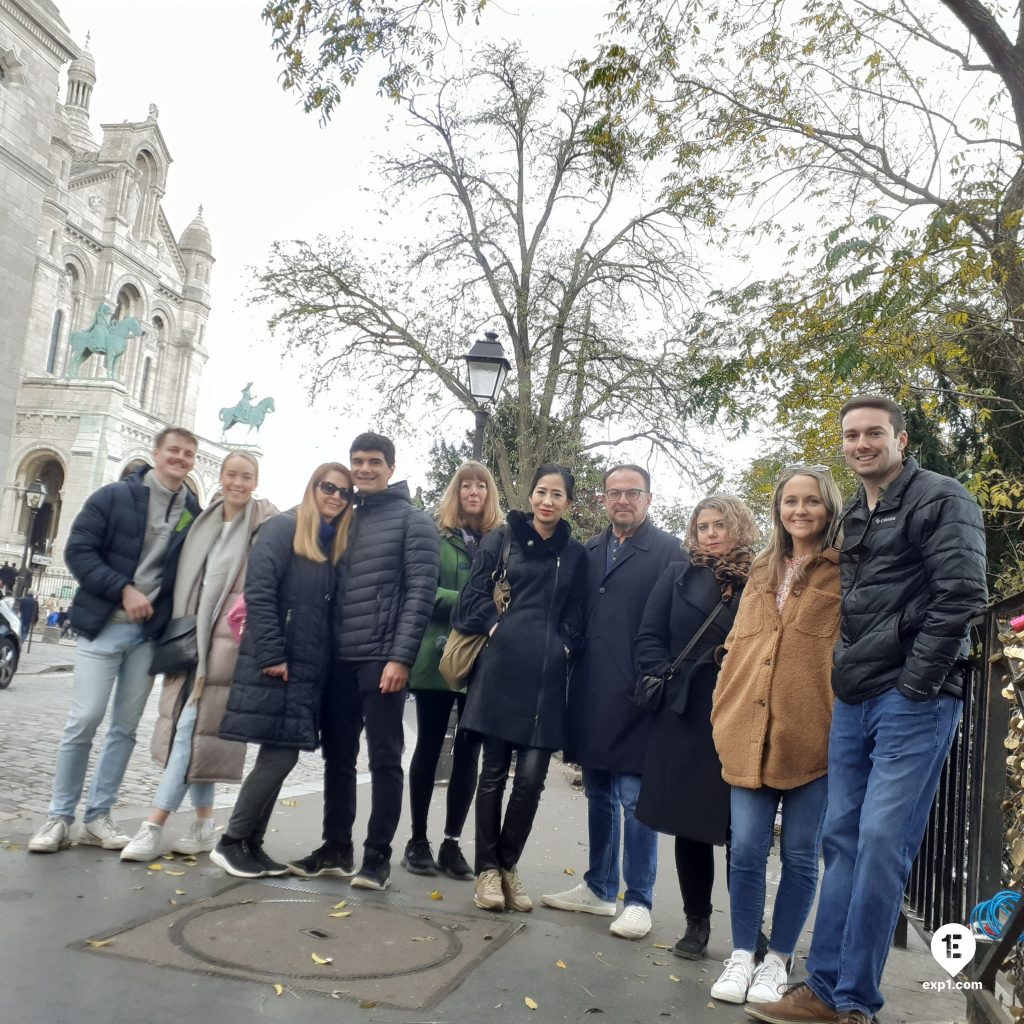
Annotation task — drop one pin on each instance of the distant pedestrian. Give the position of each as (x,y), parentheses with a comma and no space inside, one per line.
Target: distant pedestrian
(8,575)
(28,612)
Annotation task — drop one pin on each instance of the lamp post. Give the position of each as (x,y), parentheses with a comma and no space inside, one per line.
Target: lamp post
(35,495)
(488,369)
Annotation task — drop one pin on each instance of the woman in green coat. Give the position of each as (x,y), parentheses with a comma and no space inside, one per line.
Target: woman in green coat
(468,509)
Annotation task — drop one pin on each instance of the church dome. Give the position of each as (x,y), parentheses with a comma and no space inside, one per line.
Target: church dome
(197,236)
(83,66)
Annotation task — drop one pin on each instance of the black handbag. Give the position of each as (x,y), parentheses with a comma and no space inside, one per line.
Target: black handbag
(649,691)
(177,651)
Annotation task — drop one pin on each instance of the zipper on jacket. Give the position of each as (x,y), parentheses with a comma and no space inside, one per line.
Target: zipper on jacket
(287,622)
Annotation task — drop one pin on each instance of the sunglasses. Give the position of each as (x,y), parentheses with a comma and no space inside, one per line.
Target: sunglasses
(817,467)
(328,488)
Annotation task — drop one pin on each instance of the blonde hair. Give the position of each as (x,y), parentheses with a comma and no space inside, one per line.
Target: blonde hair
(307,524)
(738,521)
(241,455)
(449,513)
(780,546)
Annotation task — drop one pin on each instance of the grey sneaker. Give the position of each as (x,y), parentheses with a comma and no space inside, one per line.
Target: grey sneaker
(103,831)
(199,838)
(52,836)
(146,845)
(582,899)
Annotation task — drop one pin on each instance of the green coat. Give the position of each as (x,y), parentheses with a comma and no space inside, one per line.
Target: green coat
(452,577)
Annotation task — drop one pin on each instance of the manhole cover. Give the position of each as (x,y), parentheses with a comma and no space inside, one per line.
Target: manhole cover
(392,955)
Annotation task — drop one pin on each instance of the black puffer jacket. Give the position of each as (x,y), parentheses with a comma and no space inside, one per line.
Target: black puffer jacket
(913,574)
(517,689)
(386,593)
(104,548)
(288,619)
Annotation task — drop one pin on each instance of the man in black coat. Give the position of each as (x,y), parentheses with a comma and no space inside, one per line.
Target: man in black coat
(607,731)
(28,612)
(123,551)
(383,604)
(913,574)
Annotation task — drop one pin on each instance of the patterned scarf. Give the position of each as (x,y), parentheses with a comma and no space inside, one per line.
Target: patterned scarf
(730,573)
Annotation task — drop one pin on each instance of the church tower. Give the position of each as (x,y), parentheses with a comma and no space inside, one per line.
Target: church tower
(196,248)
(81,80)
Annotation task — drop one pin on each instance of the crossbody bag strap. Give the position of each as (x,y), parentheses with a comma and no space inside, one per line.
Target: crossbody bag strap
(693,640)
(506,548)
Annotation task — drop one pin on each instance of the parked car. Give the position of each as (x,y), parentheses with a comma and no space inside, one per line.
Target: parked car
(10,642)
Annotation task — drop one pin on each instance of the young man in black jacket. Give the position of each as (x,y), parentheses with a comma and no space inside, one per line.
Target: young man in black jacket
(913,575)
(383,604)
(123,550)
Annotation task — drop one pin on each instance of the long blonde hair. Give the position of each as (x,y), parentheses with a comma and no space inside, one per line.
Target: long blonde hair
(307,524)
(780,546)
(449,510)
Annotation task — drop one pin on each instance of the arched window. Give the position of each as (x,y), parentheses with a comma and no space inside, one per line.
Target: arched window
(147,367)
(51,356)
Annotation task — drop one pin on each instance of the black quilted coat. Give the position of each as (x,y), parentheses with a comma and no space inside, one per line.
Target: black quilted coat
(385,596)
(288,619)
(913,575)
(104,548)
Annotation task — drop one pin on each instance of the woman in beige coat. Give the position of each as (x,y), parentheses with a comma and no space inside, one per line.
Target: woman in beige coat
(770,716)
(211,573)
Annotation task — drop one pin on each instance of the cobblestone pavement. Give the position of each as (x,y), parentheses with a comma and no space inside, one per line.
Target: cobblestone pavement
(32,715)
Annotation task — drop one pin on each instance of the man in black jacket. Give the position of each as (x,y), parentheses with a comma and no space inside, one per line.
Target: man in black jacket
(913,575)
(383,604)
(607,731)
(28,612)
(123,550)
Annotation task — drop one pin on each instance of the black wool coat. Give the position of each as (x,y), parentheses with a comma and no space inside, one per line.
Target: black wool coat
(683,793)
(104,548)
(517,689)
(288,619)
(606,729)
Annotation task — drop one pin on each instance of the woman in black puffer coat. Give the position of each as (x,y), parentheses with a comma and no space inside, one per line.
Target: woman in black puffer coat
(284,658)
(516,697)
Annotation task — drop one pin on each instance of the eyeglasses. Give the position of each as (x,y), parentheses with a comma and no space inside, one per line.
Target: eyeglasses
(328,488)
(817,467)
(633,494)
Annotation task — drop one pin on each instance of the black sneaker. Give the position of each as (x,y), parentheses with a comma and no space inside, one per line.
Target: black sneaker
(270,866)
(451,861)
(237,859)
(330,859)
(375,872)
(418,859)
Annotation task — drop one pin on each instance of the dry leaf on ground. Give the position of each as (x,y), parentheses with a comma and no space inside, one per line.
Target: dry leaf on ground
(531,1003)
(321,960)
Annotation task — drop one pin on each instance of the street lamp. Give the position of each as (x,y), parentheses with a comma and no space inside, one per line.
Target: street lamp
(35,495)
(488,369)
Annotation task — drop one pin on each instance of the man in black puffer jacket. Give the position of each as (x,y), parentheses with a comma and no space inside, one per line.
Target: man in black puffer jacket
(123,550)
(383,605)
(913,575)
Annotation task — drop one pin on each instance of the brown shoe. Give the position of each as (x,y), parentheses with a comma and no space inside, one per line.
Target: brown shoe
(488,894)
(515,894)
(798,1006)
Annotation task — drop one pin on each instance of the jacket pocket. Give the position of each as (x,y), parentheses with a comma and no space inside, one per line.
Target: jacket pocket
(380,618)
(817,612)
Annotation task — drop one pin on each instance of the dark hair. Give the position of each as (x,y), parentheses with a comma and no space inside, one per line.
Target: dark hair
(633,469)
(158,441)
(371,442)
(550,469)
(896,417)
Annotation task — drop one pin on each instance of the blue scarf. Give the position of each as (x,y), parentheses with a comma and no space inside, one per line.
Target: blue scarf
(327,532)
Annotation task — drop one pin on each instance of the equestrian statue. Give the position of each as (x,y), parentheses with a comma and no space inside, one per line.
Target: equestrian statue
(103,338)
(246,411)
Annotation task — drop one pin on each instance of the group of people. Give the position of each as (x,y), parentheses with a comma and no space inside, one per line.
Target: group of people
(817,681)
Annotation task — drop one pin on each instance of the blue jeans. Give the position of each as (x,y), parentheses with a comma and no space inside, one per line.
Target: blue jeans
(117,660)
(173,784)
(753,820)
(607,792)
(884,761)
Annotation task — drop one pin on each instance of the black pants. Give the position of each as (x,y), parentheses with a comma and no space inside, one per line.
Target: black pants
(433,712)
(499,844)
(259,792)
(352,699)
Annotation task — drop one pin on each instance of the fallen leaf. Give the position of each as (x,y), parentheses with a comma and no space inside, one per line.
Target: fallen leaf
(189,861)
(339,906)
(167,856)
(289,803)
(173,903)
(660,963)
(321,960)
(672,977)
(594,1009)
(622,896)
(435,895)
(173,874)
(136,888)
(99,943)
(570,871)
(423,938)
(155,867)
(560,964)
(367,1004)
(711,1006)
(180,892)
(661,945)
(340,913)
(531,1003)
(279,989)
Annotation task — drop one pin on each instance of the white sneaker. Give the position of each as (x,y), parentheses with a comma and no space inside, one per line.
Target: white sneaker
(52,836)
(147,843)
(734,981)
(770,979)
(200,838)
(582,899)
(103,831)
(633,923)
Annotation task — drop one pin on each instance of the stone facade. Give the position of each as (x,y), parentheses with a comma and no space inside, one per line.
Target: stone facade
(84,226)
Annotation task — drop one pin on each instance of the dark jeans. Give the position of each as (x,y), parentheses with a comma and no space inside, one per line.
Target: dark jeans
(352,699)
(499,844)
(433,711)
(259,792)
(695,866)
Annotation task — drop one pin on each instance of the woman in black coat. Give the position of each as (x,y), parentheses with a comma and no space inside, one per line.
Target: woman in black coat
(284,658)
(682,793)
(517,690)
